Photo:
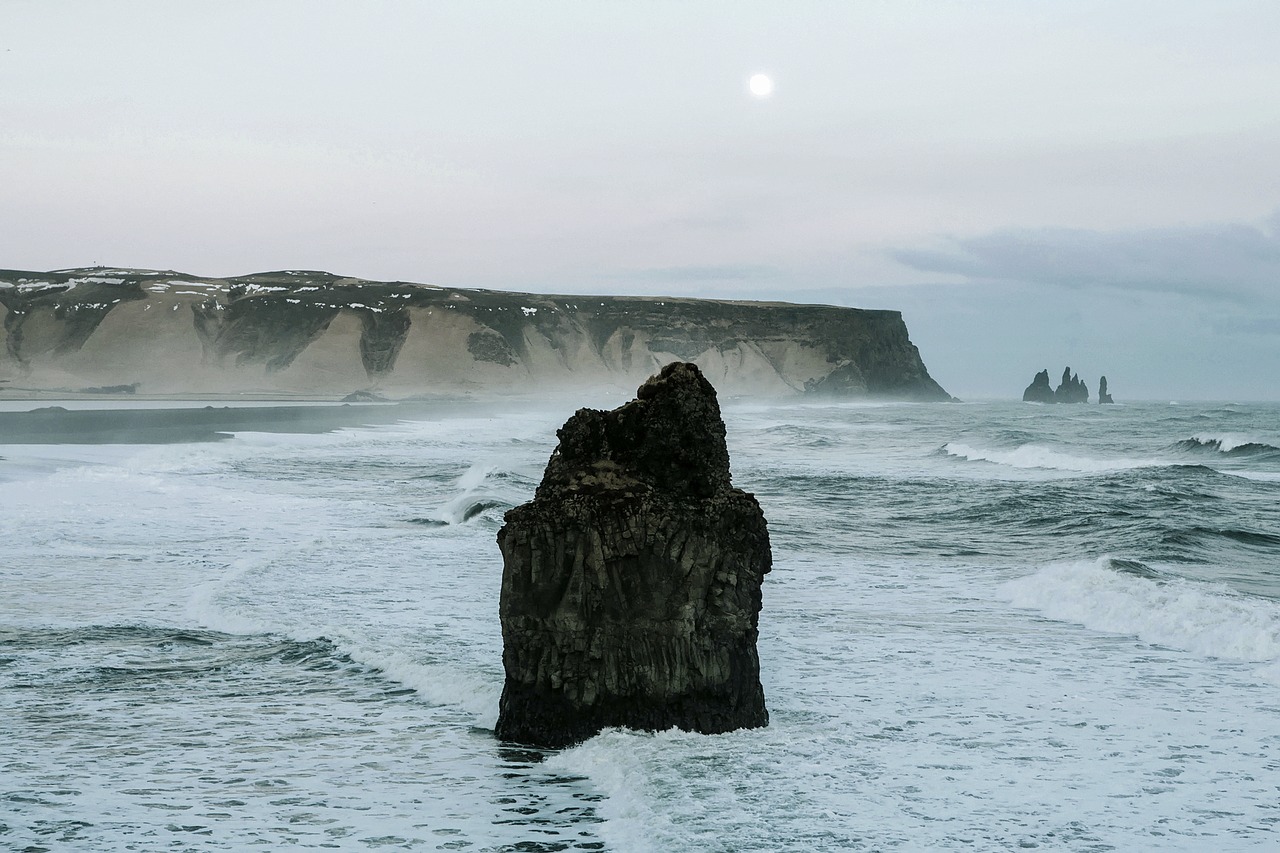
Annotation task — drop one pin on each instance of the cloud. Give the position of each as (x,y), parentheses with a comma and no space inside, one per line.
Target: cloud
(718,272)
(1234,261)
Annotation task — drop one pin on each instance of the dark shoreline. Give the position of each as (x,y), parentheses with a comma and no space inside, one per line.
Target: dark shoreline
(57,425)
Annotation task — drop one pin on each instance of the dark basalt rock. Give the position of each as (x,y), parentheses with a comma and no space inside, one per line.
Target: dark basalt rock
(131,388)
(1103,396)
(631,582)
(1039,391)
(60,324)
(382,334)
(490,346)
(1072,390)
(257,329)
(364,397)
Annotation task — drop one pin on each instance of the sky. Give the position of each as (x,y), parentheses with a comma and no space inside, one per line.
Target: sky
(1033,184)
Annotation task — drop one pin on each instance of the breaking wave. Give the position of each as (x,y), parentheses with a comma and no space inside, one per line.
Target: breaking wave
(1035,456)
(482,492)
(1129,597)
(1231,445)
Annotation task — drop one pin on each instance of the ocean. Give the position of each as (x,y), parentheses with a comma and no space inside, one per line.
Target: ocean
(989,626)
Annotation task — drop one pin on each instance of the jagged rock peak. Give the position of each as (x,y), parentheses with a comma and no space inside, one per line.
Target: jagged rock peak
(631,582)
(1039,391)
(1103,396)
(670,438)
(1071,390)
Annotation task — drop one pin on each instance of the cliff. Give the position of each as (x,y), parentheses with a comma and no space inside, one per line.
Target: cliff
(317,333)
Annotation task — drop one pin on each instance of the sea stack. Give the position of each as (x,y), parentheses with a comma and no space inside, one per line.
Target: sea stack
(1103,396)
(1039,391)
(1072,390)
(631,582)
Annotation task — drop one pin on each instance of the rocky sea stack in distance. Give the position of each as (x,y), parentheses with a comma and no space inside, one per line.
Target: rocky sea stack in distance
(1071,390)
(315,333)
(631,582)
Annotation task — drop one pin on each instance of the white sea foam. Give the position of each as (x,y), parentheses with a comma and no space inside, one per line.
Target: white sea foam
(1225,442)
(478,489)
(1035,456)
(203,609)
(1205,619)
(614,765)
(439,684)
(912,707)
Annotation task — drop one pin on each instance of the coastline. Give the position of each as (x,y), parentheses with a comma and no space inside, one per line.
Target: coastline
(57,424)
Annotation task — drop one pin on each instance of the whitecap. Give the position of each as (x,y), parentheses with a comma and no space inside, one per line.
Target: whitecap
(1226,443)
(1035,456)
(1209,620)
(480,488)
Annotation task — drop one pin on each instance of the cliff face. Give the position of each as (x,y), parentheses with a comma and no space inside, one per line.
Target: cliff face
(313,332)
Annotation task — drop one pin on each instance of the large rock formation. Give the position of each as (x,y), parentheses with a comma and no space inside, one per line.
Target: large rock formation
(316,333)
(631,582)
(1103,396)
(1039,391)
(1071,390)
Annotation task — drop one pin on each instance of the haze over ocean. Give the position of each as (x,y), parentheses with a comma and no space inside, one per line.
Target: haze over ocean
(1086,182)
(989,625)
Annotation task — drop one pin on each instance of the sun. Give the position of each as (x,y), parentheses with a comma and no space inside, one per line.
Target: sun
(760,85)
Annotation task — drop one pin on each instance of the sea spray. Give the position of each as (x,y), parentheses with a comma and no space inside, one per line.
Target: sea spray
(1032,456)
(913,706)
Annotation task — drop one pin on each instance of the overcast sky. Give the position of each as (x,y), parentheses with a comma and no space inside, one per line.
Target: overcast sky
(1034,184)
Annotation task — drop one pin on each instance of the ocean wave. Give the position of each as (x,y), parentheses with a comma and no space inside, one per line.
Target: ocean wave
(1229,444)
(1213,536)
(1112,595)
(437,684)
(1257,476)
(1035,456)
(115,656)
(800,436)
(615,762)
(483,492)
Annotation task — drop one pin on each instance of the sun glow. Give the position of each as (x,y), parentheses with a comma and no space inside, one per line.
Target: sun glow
(760,85)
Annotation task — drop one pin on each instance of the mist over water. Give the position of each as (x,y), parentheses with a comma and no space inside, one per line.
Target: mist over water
(989,626)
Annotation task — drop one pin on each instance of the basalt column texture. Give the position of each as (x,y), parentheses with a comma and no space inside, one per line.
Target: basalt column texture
(631,582)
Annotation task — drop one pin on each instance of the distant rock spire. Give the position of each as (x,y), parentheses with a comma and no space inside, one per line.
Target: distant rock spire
(1039,391)
(1103,396)
(1072,390)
